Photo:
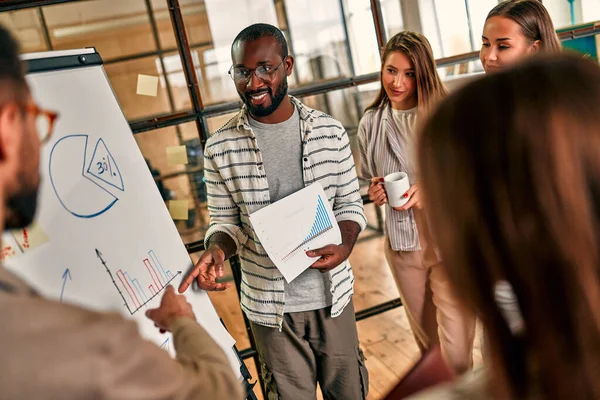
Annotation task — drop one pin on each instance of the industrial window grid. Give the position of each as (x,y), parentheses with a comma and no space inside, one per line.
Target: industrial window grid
(200,113)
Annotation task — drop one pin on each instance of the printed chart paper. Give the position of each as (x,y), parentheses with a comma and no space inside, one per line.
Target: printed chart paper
(300,222)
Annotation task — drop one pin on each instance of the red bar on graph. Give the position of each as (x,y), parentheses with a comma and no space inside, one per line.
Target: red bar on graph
(151,289)
(128,288)
(152,273)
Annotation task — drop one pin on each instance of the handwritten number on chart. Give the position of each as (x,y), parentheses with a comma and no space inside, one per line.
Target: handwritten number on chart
(101,167)
(104,166)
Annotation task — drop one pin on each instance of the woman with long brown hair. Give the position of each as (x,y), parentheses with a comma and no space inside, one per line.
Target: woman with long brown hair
(410,85)
(516,29)
(512,182)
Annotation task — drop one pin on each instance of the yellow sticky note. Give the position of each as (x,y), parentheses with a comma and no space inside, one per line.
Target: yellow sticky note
(31,237)
(177,155)
(147,85)
(178,209)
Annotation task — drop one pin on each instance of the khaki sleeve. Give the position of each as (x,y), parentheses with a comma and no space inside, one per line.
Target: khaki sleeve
(52,350)
(138,369)
(201,356)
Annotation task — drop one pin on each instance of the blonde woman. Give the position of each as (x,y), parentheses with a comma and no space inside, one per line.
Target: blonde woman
(409,86)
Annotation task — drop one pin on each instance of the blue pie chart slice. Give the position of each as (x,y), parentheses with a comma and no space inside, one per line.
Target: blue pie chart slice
(78,194)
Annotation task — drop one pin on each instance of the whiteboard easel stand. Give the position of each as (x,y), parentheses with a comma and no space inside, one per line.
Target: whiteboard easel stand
(76,60)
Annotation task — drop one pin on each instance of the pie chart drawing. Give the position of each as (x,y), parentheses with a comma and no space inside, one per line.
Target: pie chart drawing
(80,183)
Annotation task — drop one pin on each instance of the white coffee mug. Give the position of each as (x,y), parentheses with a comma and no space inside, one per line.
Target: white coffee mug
(396,185)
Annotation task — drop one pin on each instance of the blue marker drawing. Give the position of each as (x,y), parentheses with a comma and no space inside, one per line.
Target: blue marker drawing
(104,167)
(71,182)
(165,344)
(136,285)
(66,274)
(153,257)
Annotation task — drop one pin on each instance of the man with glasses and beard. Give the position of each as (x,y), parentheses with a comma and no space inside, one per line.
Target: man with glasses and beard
(305,330)
(52,350)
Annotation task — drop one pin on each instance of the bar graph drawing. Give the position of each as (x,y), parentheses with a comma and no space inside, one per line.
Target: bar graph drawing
(135,294)
(289,227)
(321,225)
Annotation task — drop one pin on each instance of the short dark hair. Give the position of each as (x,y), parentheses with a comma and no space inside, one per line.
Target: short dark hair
(257,31)
(11,66)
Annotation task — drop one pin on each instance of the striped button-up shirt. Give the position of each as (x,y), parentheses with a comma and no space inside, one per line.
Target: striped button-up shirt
(237,186)
(382,152)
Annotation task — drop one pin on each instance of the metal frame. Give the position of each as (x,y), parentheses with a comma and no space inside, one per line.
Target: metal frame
(199,113)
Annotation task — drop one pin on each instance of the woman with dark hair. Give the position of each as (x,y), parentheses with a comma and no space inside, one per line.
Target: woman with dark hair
(410,86)
(512,183)
(515,29)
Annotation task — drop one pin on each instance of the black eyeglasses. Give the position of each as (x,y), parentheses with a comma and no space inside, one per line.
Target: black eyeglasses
(265,73)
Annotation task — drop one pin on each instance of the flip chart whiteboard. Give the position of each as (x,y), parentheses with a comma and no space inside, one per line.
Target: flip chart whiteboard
(103,237)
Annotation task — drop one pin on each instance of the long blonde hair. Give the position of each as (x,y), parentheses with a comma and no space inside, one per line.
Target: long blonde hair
(418,50)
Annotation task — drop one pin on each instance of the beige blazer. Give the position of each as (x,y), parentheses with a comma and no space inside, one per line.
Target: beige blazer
(52,351)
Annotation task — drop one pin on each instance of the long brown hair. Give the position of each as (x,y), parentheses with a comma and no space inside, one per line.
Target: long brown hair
(418,50)
(512,184)
(534,20)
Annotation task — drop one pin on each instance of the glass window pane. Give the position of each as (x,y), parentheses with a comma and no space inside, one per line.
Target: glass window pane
(189,131)
(455,76)
(214,87)
(478,11)
(590,10)
(362,36)
(116,28)
(392,17)
(213,30)
(430,26)
(176,78)
(367,95)
(166,35)
(453,26)
(195,19)
(27,28)
(178,182)
(123,77)
(318,39)
(560,12)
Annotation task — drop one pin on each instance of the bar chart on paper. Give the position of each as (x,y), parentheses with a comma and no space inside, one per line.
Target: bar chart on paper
(293,225)
(322,224)
(142,284)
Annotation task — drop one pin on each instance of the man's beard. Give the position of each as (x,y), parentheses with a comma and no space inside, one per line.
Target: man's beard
(21,209)
(260,110)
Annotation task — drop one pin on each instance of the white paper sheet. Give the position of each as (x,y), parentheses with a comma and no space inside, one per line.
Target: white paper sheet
(293,225)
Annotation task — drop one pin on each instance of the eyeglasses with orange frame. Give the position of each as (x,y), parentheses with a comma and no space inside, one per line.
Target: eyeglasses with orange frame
(44,120)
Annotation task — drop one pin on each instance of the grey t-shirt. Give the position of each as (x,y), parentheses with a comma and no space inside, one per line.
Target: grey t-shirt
(281,149)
